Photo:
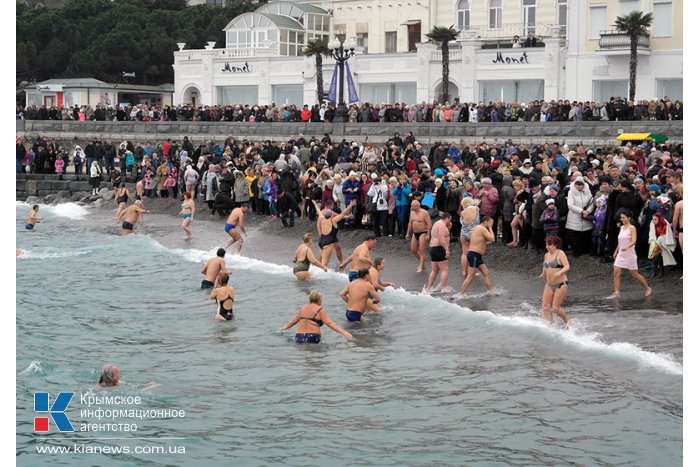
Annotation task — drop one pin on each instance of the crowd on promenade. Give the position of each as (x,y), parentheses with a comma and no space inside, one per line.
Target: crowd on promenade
(616,108)
(531,192)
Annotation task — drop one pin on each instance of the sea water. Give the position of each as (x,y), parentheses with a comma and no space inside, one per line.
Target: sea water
(426,382)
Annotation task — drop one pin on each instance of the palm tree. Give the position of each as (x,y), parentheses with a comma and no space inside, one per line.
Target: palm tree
(318,48)
(442,36)
(634,24)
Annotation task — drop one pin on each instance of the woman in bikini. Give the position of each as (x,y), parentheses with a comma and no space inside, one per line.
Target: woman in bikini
(304,258)
(327,226)
(187,213)
(554,270)
(310,318)
(224,296)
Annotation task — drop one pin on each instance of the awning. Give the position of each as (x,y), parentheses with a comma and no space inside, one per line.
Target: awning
(642,137)
(411,22)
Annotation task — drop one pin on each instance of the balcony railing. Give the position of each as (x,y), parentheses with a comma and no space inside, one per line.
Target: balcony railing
(617,40)
(454,54)
(507,31)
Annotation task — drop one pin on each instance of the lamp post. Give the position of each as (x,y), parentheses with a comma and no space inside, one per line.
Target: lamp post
(341,55)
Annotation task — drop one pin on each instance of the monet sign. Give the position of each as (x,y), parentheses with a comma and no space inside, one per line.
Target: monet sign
(236,68)
(518,59)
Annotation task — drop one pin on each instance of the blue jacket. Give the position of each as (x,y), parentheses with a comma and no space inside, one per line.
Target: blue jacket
(401,194)
(561,162)
(352,195)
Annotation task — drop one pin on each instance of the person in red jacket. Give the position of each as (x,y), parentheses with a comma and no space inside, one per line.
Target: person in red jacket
(305,114)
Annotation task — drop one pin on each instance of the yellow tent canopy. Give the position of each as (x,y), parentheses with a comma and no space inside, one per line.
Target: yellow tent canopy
(641,137)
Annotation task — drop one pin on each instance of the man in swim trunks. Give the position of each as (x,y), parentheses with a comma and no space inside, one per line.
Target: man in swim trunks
(32,218)
(360,258)
(356,295)
(212,269)
(131,216)
(235,220)
(440,250)
(482,235)
(419,227)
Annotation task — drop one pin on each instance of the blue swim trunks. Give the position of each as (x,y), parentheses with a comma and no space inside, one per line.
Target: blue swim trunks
(228,227)
(352,275)
(29,226)
(353,316)
(186,216)
(308,338)
(474,260)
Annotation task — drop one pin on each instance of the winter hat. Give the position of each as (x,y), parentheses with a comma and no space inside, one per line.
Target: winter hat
(654,188)
(550,201)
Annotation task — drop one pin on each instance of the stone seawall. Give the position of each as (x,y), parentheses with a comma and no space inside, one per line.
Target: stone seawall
(65,187)
(590,133)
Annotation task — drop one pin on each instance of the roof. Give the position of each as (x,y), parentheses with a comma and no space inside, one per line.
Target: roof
(284,21)
(303,7)
(244,21)
(77,83)
(122,87)
(641,137)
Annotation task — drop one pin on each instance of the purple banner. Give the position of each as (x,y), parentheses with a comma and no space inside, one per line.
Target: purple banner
(352,92)
(333,91)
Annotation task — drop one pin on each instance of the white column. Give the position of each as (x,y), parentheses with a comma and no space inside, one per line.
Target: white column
(552,67)
(469,88)
(423,79)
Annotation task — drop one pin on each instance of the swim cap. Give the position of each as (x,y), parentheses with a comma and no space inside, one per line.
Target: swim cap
(327,213)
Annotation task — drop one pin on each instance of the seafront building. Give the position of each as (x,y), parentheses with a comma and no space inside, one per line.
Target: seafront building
(577,54)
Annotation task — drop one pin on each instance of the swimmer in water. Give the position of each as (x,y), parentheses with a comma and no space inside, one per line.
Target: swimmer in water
(304,258)
(224,296)
(20,252)
(109,378)
(236,221)
(33,218)
(187,213)
(356,295)
(360,257)
(327,228)
(379,265)
(121,196)
(310,318)
(131,217)
(212,269)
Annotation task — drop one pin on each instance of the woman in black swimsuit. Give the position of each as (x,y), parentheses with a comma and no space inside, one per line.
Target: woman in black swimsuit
(121,196)
(327,227)
(554,269)
(310,318)
(224,295)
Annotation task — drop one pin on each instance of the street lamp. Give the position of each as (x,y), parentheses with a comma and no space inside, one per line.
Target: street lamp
(341,55)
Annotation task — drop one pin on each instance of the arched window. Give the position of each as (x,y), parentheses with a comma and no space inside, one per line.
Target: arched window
(495,14)
(463,15)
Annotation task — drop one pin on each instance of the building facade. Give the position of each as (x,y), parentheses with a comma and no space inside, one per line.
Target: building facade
(597,63)
(261,61)
(69,92)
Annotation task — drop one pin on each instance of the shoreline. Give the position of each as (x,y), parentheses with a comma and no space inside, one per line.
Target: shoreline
(514,271)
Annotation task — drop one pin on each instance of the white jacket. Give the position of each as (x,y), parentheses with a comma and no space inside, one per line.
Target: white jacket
(578,201)
(667,243)
(379,193)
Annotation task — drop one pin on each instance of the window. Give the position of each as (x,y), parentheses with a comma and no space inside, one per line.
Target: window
(390,42)
(511,90)
(362,39)
(463,15)
(663,18)
(495,14)
(628,6)
(561,16)
(598,20)
(673,88)
(528,17)
(604,90)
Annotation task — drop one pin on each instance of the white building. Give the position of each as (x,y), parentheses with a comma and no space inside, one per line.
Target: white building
(261,61)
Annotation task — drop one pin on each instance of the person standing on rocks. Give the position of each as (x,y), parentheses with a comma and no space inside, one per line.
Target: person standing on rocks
(95,177)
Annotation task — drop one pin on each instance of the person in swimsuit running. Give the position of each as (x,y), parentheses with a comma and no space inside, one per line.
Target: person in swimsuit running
(212,269)
(327,227)
(131,216)
(554,269)
(482,235)
(304,258)
(310,318)
(469,218)
(187,213)
(235,220)
(419,224)
(356,295)
(224,295)
(121,196)
(32,218)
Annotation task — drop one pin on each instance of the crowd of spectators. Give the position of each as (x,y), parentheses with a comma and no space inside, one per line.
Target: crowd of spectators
(616,108)
(576,192)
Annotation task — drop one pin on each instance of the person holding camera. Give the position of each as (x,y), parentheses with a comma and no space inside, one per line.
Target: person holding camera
(379,194)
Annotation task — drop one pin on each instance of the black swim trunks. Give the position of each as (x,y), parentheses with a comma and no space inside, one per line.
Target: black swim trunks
(127,226)
(418,235)
(207,284)
(437,254)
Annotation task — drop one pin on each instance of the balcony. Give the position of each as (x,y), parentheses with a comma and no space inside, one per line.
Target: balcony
(618,43)
(503,37)
(454,54)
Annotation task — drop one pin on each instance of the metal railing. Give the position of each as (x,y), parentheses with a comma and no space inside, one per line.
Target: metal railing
(454,54)
(618,40)
(507,31)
